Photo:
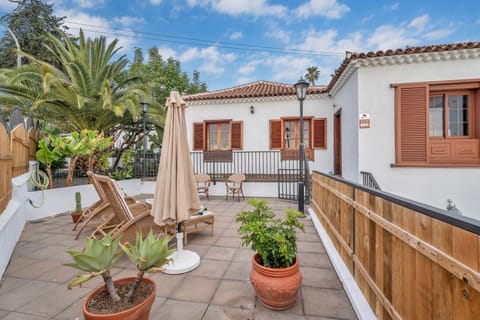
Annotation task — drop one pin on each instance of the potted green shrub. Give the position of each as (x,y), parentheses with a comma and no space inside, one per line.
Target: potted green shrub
(275,273)
(126,298)
(78,207)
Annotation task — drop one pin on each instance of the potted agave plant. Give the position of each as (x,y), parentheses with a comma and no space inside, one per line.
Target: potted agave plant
(126,298)
(275,273)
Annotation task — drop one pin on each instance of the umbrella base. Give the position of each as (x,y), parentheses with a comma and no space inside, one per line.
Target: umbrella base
(183,261)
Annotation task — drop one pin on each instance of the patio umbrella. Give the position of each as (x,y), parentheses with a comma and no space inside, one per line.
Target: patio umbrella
(176,196)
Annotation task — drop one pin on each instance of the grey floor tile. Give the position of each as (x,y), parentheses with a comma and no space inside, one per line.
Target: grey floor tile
(227,313)
(195,289)
(220,253)
(174,309)
(277,315)
(334,303)
(238,271)
(23,294)
(166,283)
(243,255)
(11,283)
(53,301)
(235,294)
(311,259)
(320,278)
(305,246)
(21,316)
(211,269)
(230,242)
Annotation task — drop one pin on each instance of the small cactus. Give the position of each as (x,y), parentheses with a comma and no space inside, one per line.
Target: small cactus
(78,202)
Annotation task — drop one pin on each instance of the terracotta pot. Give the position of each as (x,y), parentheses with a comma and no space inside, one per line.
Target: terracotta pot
(75,216)
(277,288)
(139,312)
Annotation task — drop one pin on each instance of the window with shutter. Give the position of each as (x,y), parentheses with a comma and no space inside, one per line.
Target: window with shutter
(435,123)
(411,112)
(198,136)
(320,133)
(237,133)
(276,134)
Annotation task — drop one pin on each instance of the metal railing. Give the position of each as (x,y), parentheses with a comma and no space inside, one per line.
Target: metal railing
(369,180)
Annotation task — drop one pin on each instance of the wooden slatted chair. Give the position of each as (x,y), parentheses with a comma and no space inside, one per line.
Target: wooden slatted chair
(132,218)
(203,183)
(234,186)
(100,212)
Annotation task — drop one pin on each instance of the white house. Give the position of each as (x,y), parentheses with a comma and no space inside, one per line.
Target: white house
(411,117)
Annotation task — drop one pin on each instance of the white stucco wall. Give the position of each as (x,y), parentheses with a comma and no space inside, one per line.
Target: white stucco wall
(377,144)
(346,100)
(256,126)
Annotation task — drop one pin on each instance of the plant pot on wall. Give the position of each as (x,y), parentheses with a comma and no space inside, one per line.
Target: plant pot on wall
(138,312)
(276,288)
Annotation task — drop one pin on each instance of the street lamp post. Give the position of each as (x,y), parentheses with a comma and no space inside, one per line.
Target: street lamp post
(144,105)
(301,91)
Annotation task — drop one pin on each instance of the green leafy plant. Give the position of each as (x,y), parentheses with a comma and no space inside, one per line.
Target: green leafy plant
(274,239)
(149,255)
(126,172)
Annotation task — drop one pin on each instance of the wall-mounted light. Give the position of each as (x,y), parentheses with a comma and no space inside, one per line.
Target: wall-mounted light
(252,109)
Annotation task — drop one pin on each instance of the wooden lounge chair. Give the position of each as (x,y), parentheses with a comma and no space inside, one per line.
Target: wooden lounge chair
(203,183)
(234,186)
(132,218)
(99,212)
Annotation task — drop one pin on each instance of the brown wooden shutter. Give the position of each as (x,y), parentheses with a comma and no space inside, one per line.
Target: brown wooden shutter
(276,134)
(411,124)
(320,133)
(198,136)
(237,135)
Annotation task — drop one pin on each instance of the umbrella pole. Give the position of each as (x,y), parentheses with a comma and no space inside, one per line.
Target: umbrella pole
(179,237)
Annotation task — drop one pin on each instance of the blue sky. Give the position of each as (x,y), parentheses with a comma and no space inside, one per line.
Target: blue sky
(233,42)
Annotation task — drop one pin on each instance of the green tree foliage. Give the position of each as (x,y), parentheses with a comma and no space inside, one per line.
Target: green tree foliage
(31,21)
(83,93)
(312,75)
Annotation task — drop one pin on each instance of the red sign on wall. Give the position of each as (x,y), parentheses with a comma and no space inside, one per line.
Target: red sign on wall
(364,121)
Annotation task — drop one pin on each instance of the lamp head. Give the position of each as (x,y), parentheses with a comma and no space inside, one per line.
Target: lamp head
(144,104)
(301,88)
(252,109)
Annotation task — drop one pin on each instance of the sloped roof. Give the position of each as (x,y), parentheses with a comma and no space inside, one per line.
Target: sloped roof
(405,51)
(252,90)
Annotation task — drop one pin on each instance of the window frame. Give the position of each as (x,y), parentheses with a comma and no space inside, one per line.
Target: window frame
(219,124)
(201,135)
(441,151)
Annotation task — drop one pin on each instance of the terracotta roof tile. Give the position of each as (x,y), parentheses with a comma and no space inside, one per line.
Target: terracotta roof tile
(253,90)
(407,50)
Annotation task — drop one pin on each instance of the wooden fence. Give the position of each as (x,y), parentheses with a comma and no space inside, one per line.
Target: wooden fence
(411,261)
(16,150)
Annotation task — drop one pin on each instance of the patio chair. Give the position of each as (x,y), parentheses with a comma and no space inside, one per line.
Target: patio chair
(133,218)
(234,186)
(203,183)
(98,213)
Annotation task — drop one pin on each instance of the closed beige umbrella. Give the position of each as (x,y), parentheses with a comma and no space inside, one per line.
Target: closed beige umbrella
(176,196)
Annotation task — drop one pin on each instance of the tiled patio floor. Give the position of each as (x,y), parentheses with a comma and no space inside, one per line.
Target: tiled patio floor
(34,285)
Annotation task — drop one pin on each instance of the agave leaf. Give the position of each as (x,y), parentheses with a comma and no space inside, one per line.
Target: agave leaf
(79,280)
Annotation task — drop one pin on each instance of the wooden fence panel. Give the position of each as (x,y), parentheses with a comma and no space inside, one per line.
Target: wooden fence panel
(410,261)
(5,169)
(32,144)
(20,145)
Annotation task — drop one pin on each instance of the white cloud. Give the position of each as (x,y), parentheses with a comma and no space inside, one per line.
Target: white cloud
(155,2)
(167,52)
(279,34)
(420,22)
(236,35)
(438,34)
(244,80)
(254,8)
(212,60)
(250,67)
(128,21)
(367,18)
(288,68)
(393,6)
(390,37)
(6,5)
(95,26)
(326,8)
(89,3)
(326,41)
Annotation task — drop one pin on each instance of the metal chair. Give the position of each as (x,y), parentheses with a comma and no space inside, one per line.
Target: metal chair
(234,186)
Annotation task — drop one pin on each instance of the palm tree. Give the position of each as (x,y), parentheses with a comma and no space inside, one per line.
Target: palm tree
(82,93)
(312,74)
